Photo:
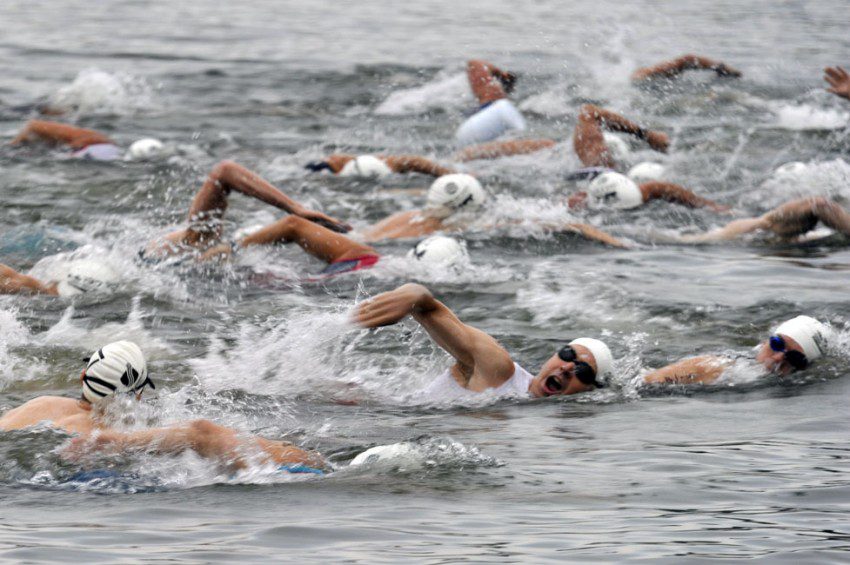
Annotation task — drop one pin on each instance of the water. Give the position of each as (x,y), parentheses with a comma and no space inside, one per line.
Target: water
(751,468)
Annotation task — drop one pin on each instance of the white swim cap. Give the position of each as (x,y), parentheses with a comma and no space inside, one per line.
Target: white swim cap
(808,332)
(615,190)
(791,168)
(86,275)
(117,367)
(366,166)
(146,148)
(646,171)
(439,250)
(617,146)
(457,191)
(602,356)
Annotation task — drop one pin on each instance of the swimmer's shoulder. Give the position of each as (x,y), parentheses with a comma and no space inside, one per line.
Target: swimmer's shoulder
(50,409)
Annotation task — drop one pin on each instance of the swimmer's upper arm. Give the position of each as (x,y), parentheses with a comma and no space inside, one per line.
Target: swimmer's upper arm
(472,348)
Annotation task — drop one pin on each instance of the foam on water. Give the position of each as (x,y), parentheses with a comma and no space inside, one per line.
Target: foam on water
(95,91)
(66,333)
(15,366)
(446,90)
(809,117)
(828,178)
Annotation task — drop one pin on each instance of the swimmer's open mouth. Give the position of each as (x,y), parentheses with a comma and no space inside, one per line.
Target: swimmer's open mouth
(553,385)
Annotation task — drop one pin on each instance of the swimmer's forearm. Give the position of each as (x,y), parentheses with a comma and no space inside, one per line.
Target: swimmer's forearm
(416,164)
(678,194)
(705,369)
(612,121)
(595,234)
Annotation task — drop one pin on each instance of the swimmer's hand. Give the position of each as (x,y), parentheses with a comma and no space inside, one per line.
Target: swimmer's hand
(658,141)
(323,220)
(724,70)
(508,81)
(317,166)
(839,80)
(390,307)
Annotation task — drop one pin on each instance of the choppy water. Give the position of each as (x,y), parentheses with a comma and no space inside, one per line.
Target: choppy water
(753,467)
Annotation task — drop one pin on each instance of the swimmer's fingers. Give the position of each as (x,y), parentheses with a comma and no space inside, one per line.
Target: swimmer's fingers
(725,70)
(658,141)
(834,75)
(325,221)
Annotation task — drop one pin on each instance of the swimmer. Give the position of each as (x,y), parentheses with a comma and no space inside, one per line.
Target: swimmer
(839,81)
(794,345)
(377,166)
(675,67)
(618,191)
(85,143)
(496,115)
(315,231)
(588,140)
(120,368)
(452,203)
(789,221)
(481,363)
(82,276)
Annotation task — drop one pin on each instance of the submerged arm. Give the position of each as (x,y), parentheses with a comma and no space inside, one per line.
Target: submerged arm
(60,134)
(674,67)
(205,438)
(496,149)
(474,350)
(678,194)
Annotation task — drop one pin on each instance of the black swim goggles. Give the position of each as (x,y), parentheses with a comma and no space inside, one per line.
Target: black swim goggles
(583,371)
(796,359)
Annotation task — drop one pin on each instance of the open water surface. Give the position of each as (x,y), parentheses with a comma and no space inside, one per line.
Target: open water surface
(752,467)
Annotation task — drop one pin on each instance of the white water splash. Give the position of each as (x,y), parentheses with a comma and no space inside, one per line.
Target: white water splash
(95,91)
(444,91)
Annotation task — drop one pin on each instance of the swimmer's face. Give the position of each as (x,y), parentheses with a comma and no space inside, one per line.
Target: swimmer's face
(557,377)
(774,361)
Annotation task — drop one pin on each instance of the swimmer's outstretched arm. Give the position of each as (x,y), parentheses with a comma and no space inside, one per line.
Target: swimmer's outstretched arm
(316,240)
(474,351)
(657,190)
(705,369)
(838,80)
(595,234)
(205,438)
(589,143)
(13,282)
(488,82)
(672,68)
(496,149)
(59,134)
(728,232)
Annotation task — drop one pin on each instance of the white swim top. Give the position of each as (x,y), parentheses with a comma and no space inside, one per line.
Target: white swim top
(445,388)
(490,122)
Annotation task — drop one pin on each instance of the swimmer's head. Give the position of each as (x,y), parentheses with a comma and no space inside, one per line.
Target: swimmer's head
(87,275)
(119,367)
(615,190)
(618,148)
(582,365)
(646,171)
(143,149)
(365,166)
(440,251)
(456,192)
(793,345)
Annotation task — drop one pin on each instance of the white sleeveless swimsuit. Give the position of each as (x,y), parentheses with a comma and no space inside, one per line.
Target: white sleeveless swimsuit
(445,388)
